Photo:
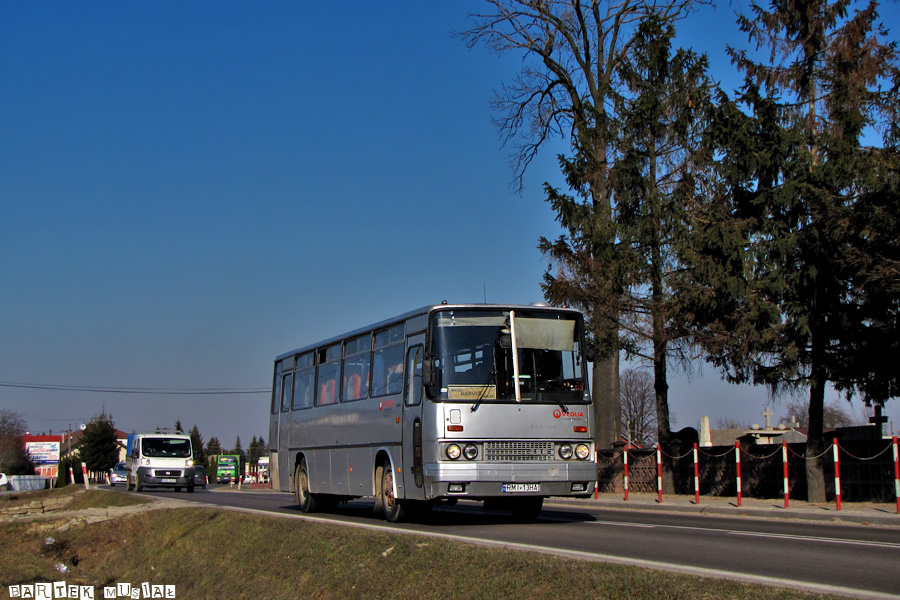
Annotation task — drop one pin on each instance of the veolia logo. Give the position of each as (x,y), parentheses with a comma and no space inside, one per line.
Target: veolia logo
(558,413)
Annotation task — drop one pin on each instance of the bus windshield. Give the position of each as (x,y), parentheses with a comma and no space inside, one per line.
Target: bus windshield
(474,360)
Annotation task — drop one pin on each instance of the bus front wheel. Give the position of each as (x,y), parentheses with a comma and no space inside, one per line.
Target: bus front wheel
(392,507)
(302,497)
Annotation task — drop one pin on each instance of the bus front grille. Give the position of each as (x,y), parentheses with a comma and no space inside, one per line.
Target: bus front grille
(518,451)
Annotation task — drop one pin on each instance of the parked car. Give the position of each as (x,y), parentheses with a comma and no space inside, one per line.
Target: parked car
(199,476)
(118,474)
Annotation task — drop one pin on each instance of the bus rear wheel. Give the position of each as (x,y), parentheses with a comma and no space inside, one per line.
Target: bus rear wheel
(302,496)
(391,505)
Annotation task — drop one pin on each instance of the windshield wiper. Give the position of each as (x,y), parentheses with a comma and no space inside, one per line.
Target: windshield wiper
(484,390)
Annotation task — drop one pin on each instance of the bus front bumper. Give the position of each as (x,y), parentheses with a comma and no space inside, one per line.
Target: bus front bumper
(483,480)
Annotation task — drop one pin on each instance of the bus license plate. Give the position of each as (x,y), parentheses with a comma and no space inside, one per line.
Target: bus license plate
(521,487)
(168,480)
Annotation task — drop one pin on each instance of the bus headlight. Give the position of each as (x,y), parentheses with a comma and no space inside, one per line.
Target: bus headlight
(453,451)
(471,451)
(565,452)
(582,451)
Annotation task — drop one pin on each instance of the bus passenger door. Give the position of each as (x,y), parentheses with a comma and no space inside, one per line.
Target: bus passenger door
(413,392)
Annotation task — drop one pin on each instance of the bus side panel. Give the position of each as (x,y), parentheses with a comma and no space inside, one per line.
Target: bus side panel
(361,461)
(358,428)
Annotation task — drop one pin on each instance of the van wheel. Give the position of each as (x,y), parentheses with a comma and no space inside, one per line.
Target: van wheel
(302,497)
(137,484)
(393,507)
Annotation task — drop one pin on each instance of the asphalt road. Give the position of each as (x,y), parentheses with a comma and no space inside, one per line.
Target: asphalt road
(856,560)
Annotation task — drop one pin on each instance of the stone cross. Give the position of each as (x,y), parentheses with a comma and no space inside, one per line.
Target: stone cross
(766,413)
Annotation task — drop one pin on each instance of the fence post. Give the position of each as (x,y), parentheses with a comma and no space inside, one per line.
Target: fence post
(71,473)
(84,475)
(659,472)
(596,485)
(784,459)
(696,476)
(897,474)
(837,474)
(625,455)
(737,460)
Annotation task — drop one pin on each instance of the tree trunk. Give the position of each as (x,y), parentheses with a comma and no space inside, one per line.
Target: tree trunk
(607,404)
(815,440)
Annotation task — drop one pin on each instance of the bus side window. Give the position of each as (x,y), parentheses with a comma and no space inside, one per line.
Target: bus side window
(287,389)
(414,376)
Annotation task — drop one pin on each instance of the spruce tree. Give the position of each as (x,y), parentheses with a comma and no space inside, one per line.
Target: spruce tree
(197,445)
(98,447)
(667,94)
(783,265)
(568,87)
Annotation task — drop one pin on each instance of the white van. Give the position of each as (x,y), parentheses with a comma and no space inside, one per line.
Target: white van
(160,460)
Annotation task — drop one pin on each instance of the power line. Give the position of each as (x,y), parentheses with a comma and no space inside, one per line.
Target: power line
(134,390)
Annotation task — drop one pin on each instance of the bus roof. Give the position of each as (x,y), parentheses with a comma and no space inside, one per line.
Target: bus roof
(415,313)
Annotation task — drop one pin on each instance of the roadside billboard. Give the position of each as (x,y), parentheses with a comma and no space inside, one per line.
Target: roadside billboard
(43,452)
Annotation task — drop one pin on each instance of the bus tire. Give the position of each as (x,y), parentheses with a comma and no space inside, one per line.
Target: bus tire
(304,499)
(393,507)
(379,497)
(526,510)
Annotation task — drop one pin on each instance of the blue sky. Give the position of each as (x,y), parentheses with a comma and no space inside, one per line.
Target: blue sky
(190,188)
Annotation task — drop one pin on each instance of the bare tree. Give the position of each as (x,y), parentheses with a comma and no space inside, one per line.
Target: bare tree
(835,414)
(638,406)
(13,458)
(730,423)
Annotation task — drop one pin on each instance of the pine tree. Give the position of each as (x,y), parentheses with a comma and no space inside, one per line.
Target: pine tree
(787,252)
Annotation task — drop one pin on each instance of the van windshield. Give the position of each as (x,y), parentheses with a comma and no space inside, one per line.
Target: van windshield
(473,356)
(166,447)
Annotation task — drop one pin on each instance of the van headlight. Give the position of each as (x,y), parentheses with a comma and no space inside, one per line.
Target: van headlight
(189,463)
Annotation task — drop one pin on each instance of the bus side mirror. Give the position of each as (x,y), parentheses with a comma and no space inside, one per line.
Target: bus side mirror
(428,372)
(590,352)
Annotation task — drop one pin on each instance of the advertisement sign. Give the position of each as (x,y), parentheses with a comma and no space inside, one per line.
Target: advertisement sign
(43,452)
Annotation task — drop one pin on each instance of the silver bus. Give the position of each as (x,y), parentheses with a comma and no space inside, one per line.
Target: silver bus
(448,402)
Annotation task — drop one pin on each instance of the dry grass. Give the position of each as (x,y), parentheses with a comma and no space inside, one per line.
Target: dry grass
(209,553)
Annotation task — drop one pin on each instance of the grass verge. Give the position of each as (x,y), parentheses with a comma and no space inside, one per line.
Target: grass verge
(210,553)
(81,498)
